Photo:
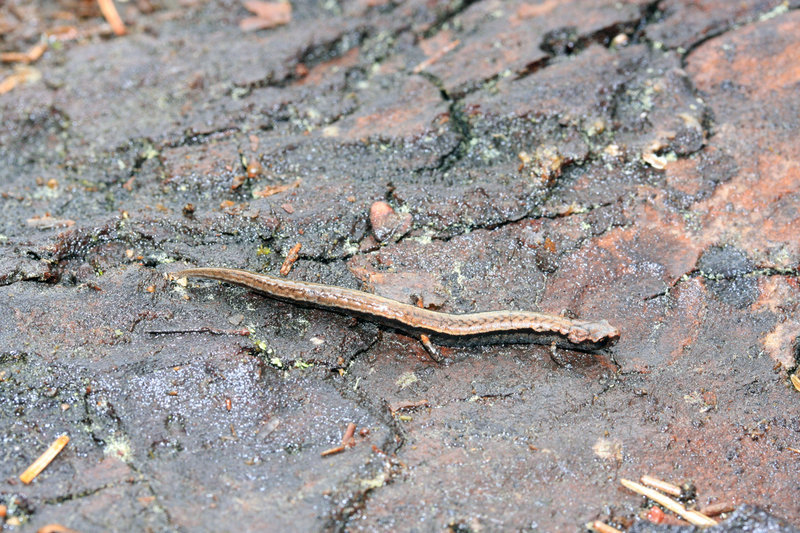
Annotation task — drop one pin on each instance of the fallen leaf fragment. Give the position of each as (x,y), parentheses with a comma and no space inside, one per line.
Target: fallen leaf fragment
(254,169)
(795,381)
(608,449)
(387,223)
(267,15)
(63,33)
(436,56)
(275,189)
(398,406)
(55,528)
(656,161)
(21,75)
(651,157)
(526,11)
(48,222)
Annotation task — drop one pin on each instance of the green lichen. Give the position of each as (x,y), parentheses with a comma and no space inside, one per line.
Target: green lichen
(119,447)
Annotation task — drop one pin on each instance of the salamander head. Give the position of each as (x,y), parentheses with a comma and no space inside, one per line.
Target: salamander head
(596,332)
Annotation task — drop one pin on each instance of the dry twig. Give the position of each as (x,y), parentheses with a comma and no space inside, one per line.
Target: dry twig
(112,16)
(602,527)
(348,441)
(398,406)
(663,486)
(33,54)
(694,517)
(290,260)
(43,460)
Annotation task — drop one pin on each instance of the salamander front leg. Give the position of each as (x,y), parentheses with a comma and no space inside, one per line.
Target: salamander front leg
(554,355)
(430,348)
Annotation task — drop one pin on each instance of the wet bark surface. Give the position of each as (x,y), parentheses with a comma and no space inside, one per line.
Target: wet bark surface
(632,161)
